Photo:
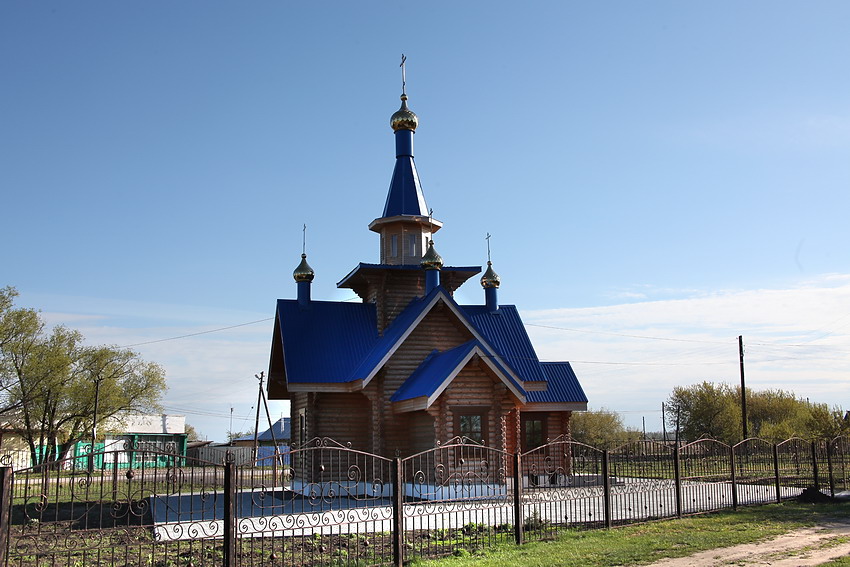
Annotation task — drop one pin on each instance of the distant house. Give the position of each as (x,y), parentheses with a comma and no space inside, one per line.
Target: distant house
(281,432)
(139,437)
(409,367)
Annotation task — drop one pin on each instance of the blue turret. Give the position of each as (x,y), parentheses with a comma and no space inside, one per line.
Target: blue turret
(405,195)
(406,225)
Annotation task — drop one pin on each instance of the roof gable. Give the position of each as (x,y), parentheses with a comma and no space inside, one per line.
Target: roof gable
(406,322)
(439,369)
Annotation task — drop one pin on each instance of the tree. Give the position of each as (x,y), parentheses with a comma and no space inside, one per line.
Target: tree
(827,423)
(601,428)
(58,390)
(713,410)
(191,433)
(705,410)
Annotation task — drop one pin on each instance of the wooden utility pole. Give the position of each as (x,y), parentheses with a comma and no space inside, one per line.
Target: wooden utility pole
(743,388)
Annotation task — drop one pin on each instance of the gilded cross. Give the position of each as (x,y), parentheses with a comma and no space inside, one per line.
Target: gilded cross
(403,59)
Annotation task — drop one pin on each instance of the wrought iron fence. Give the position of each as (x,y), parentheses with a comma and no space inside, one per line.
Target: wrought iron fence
(328,504)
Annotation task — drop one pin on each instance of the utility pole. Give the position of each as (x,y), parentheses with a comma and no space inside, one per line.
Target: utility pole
(664,422)
(743,388)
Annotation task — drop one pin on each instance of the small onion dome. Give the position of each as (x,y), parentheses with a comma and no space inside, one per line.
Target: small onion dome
(490,277)
(303,273)
(404,118)
(431,260)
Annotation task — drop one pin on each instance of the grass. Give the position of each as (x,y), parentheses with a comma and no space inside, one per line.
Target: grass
(645,543)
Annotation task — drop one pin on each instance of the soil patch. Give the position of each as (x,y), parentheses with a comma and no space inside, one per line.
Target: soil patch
(798,548)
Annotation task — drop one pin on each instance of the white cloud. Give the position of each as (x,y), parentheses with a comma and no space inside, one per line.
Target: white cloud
(629,357)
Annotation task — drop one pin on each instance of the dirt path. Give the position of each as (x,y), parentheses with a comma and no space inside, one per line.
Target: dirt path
(804,547)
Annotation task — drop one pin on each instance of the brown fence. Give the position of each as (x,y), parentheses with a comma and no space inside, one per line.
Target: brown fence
(328,504)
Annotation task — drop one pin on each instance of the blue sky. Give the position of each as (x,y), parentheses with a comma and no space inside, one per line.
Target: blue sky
(669,170)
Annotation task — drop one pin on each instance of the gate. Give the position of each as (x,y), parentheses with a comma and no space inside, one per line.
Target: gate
(458,495)
(322,504)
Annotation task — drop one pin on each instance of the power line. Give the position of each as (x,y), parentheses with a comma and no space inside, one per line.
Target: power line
(199,333)
(626,335)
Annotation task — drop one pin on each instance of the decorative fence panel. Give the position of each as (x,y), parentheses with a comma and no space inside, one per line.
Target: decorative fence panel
(706,476)
(333,505)
(755,472)
(795,466)
(563,486)
(327,504)
(839,471)
(66,513)
(459,495)
(643,485)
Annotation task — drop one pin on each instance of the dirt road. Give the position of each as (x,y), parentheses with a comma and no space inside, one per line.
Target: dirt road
(804,547)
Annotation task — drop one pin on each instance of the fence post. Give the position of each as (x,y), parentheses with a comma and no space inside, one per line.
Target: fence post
(115,476)
(229,511)
(6,474)
(518,519)
(733,477)
(606,488)
(776,472)
(398,513)
(829,468)
(815,478)
(677,474)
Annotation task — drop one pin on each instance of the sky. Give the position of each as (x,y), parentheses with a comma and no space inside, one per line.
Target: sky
(658,178)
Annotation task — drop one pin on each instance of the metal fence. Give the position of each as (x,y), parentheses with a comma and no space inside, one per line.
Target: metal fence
(328,504)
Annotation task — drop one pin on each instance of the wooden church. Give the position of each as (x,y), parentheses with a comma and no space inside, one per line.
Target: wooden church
(408,367)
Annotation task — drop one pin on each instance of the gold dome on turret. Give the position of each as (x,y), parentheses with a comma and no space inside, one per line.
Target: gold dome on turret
(404,118)
(303,273)
(431,260)
(490,277)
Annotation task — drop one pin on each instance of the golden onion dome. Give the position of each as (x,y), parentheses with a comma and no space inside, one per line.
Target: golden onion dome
(490,277)
(404,118)
(431,260)
(303,273)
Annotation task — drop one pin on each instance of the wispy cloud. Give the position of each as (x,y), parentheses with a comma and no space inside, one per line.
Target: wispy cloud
(629,357)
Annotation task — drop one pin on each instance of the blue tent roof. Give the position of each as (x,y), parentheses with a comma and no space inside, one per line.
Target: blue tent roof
(405,195)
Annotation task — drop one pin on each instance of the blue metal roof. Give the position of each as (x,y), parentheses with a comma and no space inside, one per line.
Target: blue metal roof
(563,384)
(281,428)
(325,341)
(337,342)
(433,371)
(392,334)
(506,333)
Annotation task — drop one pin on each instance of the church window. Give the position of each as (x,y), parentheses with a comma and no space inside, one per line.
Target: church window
(411,245)
(533,431)
(471,422)
(394,246)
